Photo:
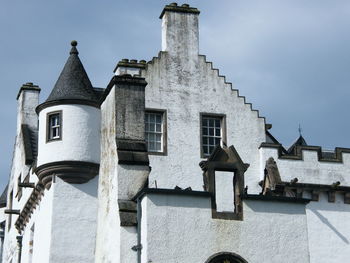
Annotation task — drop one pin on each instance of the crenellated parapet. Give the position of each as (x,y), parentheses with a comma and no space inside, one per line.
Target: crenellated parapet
(298,154)
(309,171)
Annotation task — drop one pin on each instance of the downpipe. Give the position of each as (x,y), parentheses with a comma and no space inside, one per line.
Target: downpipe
(19,243)
(138,247)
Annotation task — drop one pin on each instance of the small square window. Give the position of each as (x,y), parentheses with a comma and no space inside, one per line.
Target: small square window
(155,131)
(54,126)
(213,132)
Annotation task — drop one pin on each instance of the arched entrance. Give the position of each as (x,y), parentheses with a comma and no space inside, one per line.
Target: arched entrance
(226,257)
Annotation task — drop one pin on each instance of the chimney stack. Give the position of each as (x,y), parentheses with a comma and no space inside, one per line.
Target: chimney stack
(28,99)
(180,30)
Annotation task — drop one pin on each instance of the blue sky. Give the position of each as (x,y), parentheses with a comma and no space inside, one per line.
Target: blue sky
(291,59)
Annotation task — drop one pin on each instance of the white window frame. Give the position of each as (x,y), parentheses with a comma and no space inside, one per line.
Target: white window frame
(154,132)
(54,126)
(204,135)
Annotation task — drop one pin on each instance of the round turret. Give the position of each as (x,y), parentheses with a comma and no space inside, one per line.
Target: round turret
(69,127)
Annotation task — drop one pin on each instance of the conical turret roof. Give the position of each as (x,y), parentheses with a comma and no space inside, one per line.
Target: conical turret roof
(73,85)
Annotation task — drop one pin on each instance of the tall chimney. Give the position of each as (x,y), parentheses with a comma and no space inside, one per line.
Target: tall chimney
(180,30)
(28,99)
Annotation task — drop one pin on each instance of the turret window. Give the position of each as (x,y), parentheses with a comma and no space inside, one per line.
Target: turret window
(54,126)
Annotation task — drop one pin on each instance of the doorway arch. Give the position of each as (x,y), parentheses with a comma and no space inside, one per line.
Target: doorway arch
(226,257)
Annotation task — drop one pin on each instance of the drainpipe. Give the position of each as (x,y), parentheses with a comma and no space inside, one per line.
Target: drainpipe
(138,247)
(19,243)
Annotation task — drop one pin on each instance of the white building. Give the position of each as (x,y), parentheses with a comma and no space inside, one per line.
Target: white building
(168,163)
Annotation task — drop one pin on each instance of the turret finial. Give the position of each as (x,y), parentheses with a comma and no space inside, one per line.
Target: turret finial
(74,50)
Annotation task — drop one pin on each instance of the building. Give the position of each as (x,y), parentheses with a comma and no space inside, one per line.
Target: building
(168,163)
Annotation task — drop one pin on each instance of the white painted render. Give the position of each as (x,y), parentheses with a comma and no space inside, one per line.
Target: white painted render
(80,135)
(181,229)
(329,230)
(224,194)
(43,229)
(74,217)
(108,230)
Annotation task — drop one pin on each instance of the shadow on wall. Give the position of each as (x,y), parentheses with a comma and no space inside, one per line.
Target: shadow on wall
(89,188)
(180,201)
(327,223)
(276,207)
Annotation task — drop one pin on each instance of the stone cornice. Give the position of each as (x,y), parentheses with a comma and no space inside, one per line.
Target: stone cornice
(75,172)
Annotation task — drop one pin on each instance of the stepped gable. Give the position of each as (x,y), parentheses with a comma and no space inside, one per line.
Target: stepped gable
(73,84)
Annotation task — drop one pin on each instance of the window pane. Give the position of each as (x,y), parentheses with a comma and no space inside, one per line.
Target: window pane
(211,131)
(151,146)
(211,140)
(211,122)
(158,118)
(217,141)
(211,149)
(205,131)
(158,127)
(152,118)
(205,140)
(152,127)
(217,132)
(217,123)
(158,137)
(205,122)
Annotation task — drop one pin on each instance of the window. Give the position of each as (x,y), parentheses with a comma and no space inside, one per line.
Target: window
(54,126)
(212,132)
(155,131)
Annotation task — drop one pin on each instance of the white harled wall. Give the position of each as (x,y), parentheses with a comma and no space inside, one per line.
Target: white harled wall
(329,230)
(80,135)
(181,229)
(74,222)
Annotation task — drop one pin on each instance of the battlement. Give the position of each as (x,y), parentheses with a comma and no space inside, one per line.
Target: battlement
(310,164)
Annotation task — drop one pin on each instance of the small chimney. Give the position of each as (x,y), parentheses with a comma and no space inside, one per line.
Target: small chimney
(180,30)
(130,67)
(28,100)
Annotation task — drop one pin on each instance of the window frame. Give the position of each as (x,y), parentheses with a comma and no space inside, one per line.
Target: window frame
(164,145)
(222,127)
(48,125)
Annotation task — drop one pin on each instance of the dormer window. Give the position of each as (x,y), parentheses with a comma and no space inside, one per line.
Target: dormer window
(54,126)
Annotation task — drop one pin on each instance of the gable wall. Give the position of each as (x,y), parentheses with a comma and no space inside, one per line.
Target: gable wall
(185,87)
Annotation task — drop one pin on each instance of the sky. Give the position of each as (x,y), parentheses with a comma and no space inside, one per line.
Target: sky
(290,58)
